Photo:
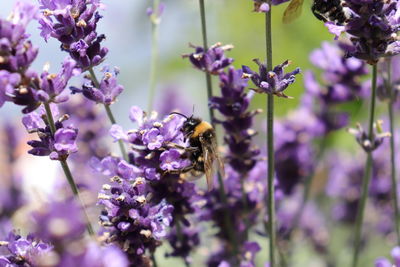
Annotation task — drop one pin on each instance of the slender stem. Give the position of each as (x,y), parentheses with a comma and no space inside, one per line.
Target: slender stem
(222,192)
(392,150)
(205,45)
(67,171)
(154,54)
(367,174)
(75,190)
(109,114)
(153,259)
(180,237)
(270,144)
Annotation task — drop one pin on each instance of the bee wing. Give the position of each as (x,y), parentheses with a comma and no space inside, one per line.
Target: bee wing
(210,154)
(292,11)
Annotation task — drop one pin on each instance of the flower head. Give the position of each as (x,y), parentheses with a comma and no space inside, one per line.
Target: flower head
(212,60)
(58,145)
(108,90)
(74,24)
(271,82)
(372,28)
(369,143)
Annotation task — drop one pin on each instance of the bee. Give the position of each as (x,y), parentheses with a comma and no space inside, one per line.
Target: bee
(203,148)
(292,11)
(331,10)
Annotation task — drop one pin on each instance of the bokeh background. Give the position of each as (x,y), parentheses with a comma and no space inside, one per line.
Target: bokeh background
(128,32)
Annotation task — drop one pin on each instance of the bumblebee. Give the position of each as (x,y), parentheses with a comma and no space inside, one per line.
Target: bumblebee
(203,148)
(331,10)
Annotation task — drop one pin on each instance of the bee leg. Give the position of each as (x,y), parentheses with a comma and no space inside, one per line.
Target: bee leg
(183,170)
(188,149)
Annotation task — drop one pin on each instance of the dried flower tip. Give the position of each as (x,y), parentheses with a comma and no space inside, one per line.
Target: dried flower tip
(141,199)
(103,196)
(146,233)
(81,23)
(120,198)
(106,187)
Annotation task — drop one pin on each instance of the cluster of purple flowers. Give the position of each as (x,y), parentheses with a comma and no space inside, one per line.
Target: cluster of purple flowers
(372,26)
(17,54)
(57,145)
(147,195)
(74,24)
(271,82)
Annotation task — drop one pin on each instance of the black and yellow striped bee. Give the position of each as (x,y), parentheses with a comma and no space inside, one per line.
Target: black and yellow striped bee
(331,10)
(203,148)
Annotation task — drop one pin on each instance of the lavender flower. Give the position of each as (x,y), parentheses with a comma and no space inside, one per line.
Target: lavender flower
(372,29)
(108,89)
(233,105)
(384,262)
(271,82)
(369,143)
(17,54)
(263,7)
(52,85)
(212,60)
(74,24)
(21,251)
(147,194)
(57,146)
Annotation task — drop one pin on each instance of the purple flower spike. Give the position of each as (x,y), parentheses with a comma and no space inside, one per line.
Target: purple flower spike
(16,56)
(272,82)
(107,93)
(372,26)
(21,251)
(59,146)
(74,24)
(213,60)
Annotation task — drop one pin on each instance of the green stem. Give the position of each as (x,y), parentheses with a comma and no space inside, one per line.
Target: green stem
(109,114)
(270,144)
(153,259)
(222,192)
(392,151)
(205,45)
(154,54)
(367,174)
(180,237)
(67,171)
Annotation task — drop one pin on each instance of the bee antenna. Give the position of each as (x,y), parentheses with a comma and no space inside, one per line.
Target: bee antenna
(177,113)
